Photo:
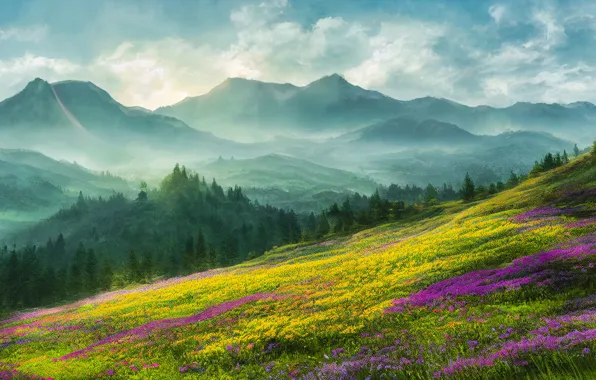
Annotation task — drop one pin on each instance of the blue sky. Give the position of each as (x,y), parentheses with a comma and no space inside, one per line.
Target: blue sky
(152,53)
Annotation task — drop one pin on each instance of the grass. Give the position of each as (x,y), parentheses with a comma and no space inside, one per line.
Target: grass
(330,315)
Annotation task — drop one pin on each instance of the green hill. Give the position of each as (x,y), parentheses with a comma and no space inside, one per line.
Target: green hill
(498,289)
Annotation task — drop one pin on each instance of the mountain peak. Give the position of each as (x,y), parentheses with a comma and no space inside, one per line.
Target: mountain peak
(333,79)
(37,85)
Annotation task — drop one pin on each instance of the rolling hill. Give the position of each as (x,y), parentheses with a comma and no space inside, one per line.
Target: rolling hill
(288,182)
(285,173)
(490,290)
(34,186)
(249,109)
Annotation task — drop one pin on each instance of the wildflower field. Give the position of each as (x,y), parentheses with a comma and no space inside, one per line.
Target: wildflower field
(505,288)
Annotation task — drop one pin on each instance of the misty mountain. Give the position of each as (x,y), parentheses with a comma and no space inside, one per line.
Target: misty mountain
(241,109)
(288,182)
(33,186)
(411,132)
(74,119)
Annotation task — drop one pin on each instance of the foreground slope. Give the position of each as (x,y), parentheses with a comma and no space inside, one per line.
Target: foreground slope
(499,289)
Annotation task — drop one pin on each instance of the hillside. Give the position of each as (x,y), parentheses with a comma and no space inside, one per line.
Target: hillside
(497,289)
(286,173)
(248,109)
(34,186)
(288,182)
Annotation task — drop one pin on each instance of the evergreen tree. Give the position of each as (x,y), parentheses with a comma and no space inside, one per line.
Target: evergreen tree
(75,276)
(311,227)
(91,283)
(13,281)
(188,257)
(492,189)
(565,157)
(576,151)
(347,215)
(513,180)
(201,252)
(132,270)
(468,189)
(147,266)
(431,194)
(107,275)
(323,228)
(59,249)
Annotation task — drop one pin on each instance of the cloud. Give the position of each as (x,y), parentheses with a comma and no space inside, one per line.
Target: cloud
(32,34)
(399,48)
(497,12)
(157,55)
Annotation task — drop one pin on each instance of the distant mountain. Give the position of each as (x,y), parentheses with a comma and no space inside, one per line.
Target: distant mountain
(409,131)
(33,186)
(240,108)
(412,133)
(253,108)
(285,173)
(80,119)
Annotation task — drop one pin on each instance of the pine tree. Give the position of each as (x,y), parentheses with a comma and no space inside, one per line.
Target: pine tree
(188,257)
(211,258)
(513,180)
(311,227)
(132,270)
(91,284)
(468,189)
(201,252)
(13,281)
(147,266)
(107,275)
(75,275)
(576,151)
(565,157)
(431,194)
(347,215)
(59,249)
(323,228)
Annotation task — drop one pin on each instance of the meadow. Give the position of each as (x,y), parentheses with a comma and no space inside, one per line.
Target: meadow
(503,288)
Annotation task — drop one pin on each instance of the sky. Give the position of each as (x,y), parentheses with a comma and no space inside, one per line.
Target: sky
(153,53)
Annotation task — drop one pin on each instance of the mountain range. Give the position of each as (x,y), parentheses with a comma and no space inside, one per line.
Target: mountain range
(328,122)
(331,105)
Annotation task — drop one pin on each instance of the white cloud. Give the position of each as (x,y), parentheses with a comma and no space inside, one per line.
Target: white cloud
(514,56)
(497,12)
(32,34)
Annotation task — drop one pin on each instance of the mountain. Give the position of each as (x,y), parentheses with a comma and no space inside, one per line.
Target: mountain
(407,131)
(492,289)
(34,186)
(285,173)
(288,182)
(410,132)
(241,109)
(75,119)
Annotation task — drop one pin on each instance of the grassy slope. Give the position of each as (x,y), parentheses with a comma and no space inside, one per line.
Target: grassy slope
(335,292)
